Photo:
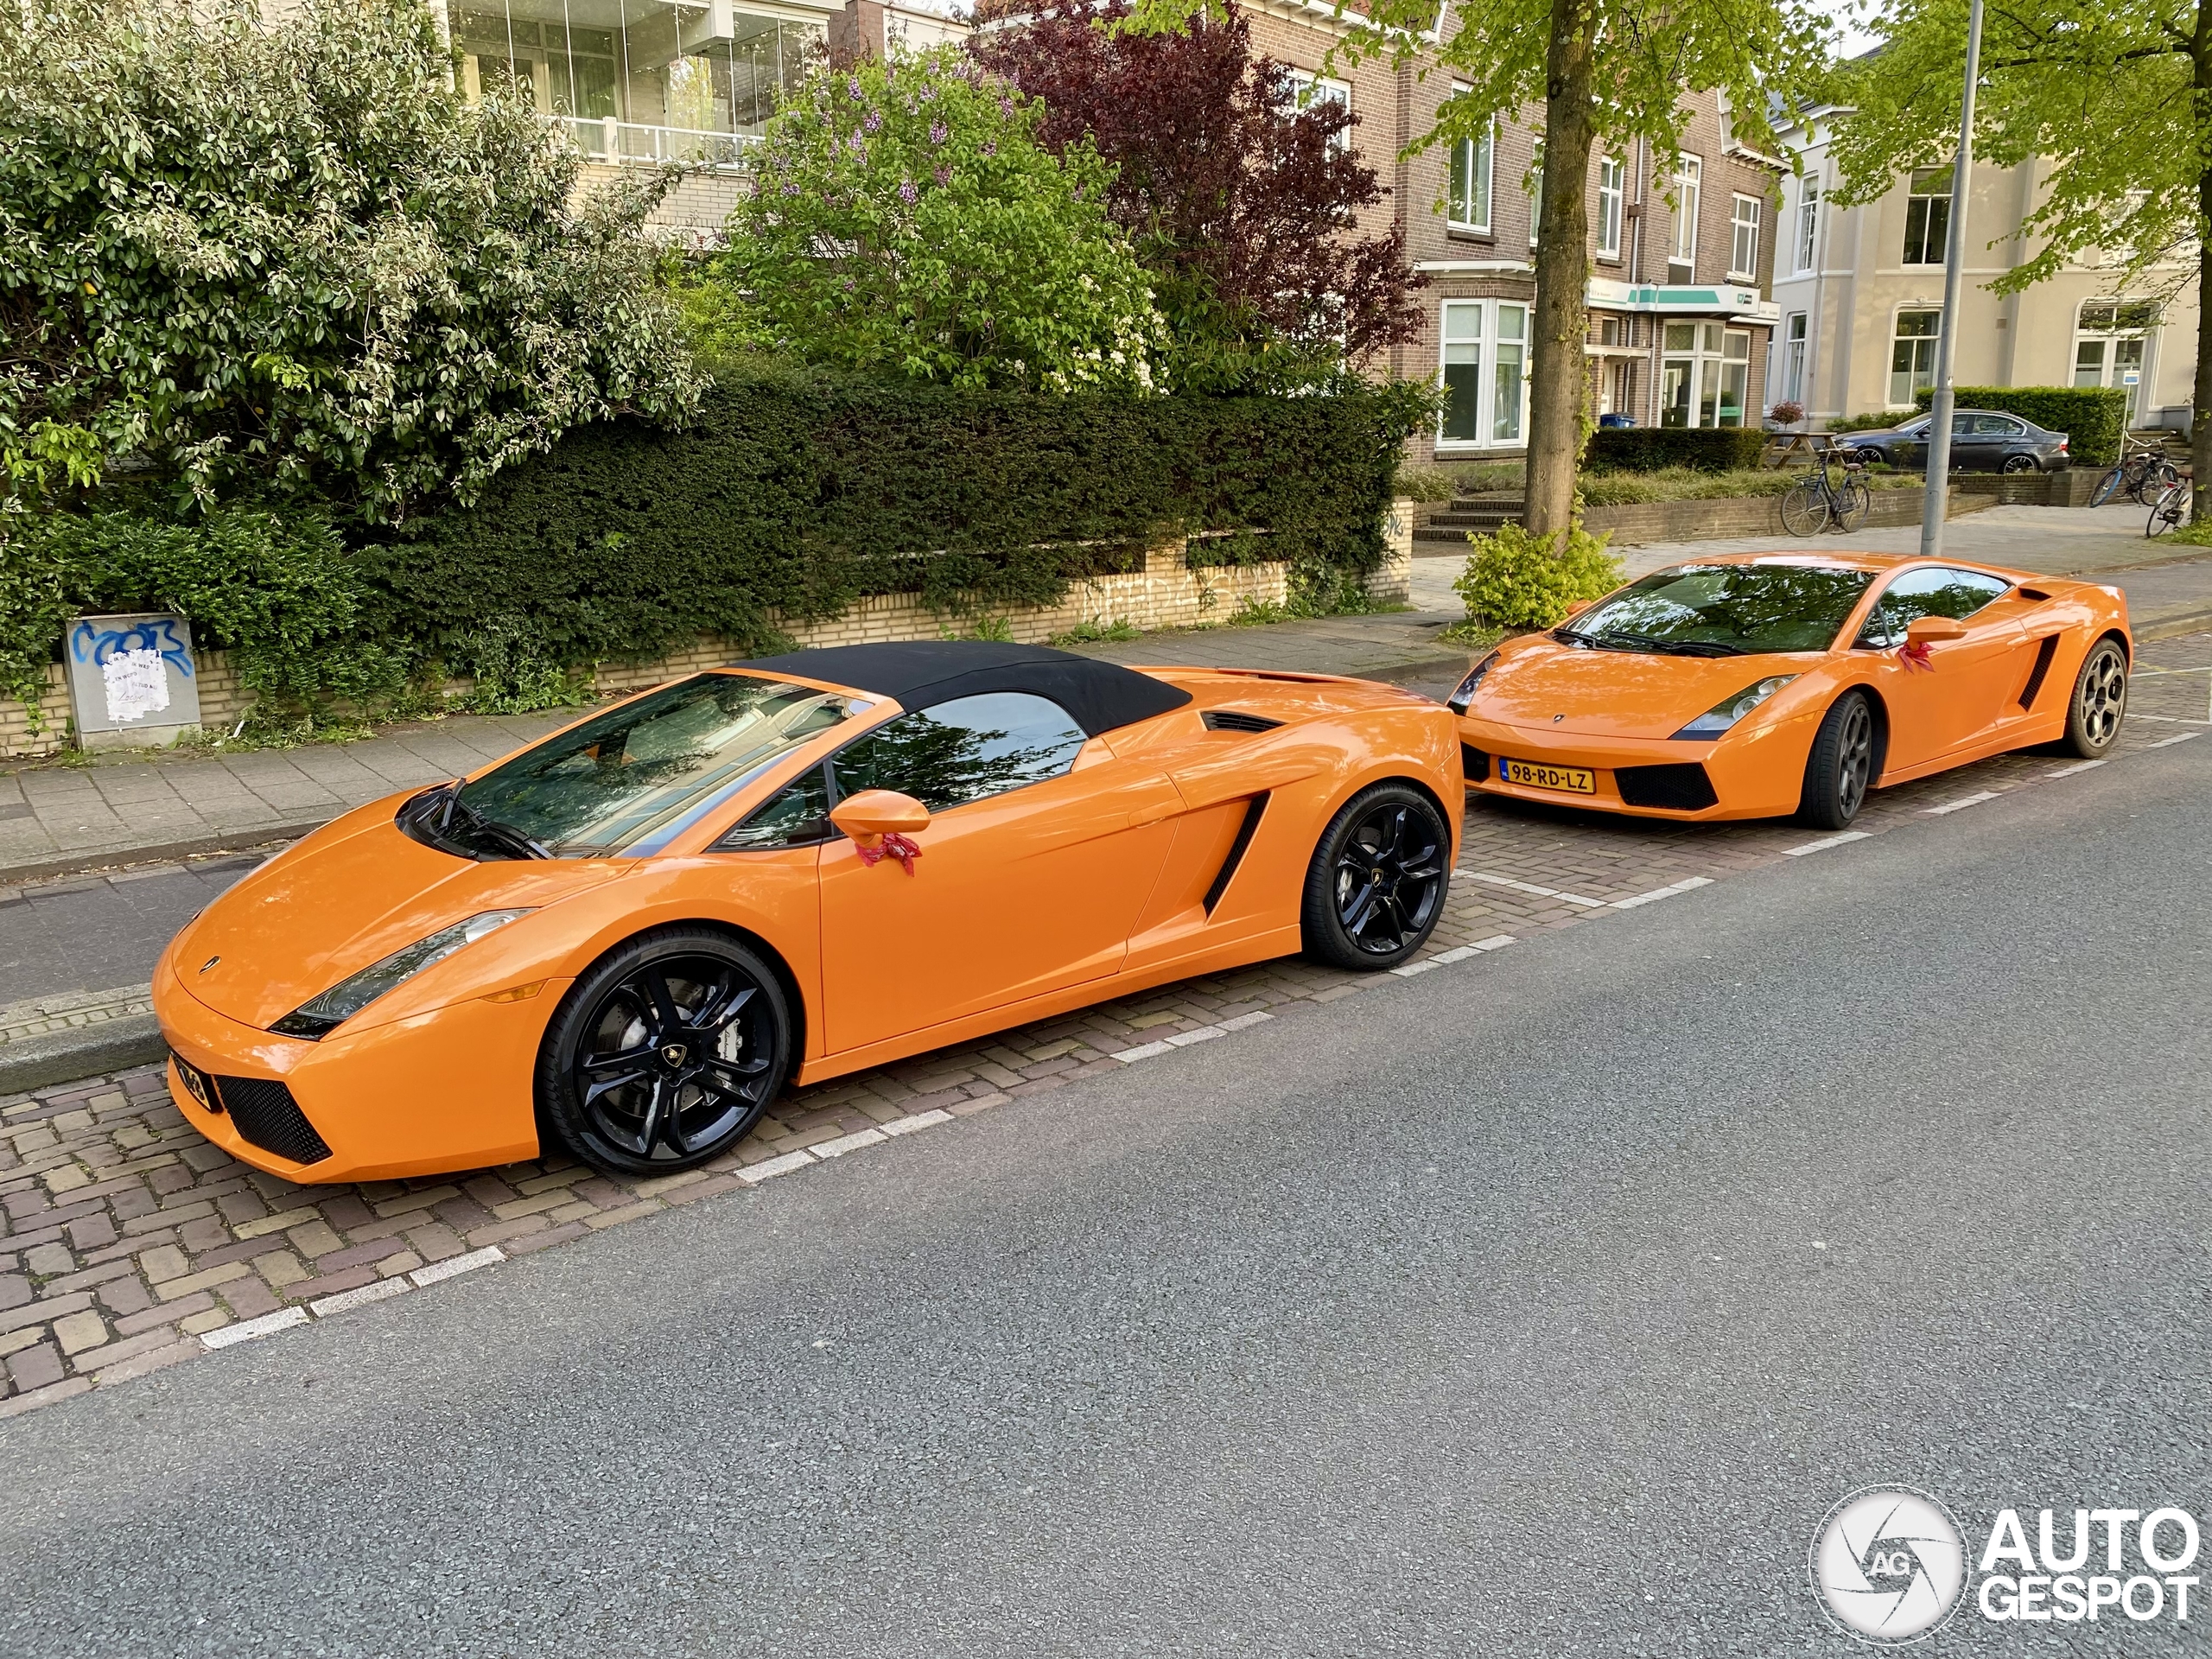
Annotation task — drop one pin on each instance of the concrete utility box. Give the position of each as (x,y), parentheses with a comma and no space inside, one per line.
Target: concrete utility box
(132,681)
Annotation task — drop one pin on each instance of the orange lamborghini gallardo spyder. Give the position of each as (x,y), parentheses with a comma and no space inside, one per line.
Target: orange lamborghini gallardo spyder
(1758,686)
(623,940)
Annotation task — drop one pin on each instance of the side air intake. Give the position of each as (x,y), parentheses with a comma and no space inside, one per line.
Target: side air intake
(1236,720)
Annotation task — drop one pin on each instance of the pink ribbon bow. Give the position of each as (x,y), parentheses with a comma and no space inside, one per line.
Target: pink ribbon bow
(893,845)
(1916,656)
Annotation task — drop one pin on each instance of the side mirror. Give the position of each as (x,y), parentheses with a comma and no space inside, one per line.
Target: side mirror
(1577,608)
(1927,629)
(874,813)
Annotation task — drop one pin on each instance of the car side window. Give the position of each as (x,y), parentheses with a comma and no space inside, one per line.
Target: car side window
(1997,426)
(964,750)
(1939,592)
(795,816)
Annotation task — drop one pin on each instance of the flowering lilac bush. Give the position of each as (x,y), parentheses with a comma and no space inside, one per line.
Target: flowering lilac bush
(904,219)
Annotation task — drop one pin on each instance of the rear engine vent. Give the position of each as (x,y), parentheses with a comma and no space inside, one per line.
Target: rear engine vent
(1236,720)
(2045,652)
(270,1118)
(2035,594)
(1682,788)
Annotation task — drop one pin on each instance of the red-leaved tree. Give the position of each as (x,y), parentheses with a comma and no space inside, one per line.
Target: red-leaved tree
(1245,207)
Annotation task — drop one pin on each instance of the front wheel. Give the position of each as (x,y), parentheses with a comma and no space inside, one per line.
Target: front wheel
(1804,509)
(1841,765)
(664,1053)
(2108,487)
(1375,890)
(2099,700)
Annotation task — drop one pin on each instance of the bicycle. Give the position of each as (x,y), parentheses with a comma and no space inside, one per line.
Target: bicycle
(2171,509)
(2141,473)
(1816,501)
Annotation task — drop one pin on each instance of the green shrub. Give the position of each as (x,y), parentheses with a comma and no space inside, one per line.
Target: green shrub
(1648,448)
(1687,484)
(1428,484)
(2093,418)
(1874,420)
(1516,579)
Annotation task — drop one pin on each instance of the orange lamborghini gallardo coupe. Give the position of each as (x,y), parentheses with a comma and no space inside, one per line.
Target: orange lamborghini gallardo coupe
(623,940)
(1757,685)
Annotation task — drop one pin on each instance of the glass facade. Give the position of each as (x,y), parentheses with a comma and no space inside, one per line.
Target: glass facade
(1704,374)
(635,79)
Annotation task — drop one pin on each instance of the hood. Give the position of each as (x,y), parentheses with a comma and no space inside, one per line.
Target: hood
(1613,693)
(349,895)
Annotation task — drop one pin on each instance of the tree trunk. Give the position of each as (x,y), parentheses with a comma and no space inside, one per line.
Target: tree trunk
(1559,368)
(2199,415)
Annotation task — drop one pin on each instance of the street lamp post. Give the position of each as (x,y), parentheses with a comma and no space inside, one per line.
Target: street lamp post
(1939,420)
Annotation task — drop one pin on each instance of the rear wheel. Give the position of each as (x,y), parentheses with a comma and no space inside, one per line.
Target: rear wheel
(1854,501)
(1804,509)
(1841,765)
(2018,464)
(2099,700)
(1375,886)
(2167,510)
(664,1054)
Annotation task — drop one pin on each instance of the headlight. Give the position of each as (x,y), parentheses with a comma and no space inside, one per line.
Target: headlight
(1716,720)
(1460,699)
(348,997)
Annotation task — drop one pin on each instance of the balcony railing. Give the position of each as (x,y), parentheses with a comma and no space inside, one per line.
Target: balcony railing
(610,140)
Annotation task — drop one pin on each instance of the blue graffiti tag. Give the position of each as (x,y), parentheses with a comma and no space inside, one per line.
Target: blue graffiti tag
(95,646)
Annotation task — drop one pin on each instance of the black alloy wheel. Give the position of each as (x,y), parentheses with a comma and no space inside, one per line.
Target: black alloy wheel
(1841,765)
(2099,700)
(2018,464)
(1375,889)
(664,1054)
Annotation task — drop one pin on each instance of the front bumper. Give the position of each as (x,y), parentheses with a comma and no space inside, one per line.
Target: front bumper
(1757,773)
(448,1089)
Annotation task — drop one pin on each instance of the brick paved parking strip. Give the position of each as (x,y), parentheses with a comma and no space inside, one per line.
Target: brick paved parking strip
(128,1243)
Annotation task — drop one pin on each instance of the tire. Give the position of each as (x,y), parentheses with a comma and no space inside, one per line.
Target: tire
(2108,487)
(1804,509)
(1840,769)
(2170,507)
(664,1053)
(2099,700)
(1854,501)
(1376,887)
(2015,465)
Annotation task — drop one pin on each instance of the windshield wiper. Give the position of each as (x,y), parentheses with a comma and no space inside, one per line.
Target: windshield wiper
(505,836)
(1663,647)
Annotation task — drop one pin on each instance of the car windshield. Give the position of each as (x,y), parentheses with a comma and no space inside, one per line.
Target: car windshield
(608,783)
(1724,610)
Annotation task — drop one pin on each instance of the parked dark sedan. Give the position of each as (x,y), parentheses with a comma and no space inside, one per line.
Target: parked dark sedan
(1982,441)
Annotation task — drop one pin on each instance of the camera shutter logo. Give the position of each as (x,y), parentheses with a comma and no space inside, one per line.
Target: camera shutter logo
(1889,1565)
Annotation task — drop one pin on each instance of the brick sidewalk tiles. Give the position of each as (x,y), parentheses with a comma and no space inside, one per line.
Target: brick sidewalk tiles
(131,1244)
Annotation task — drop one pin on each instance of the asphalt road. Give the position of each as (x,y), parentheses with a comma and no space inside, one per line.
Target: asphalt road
(1539,1305)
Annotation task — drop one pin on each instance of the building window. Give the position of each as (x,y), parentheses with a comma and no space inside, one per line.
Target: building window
(1309,91)
(1688,171)
(1472,160)
(1535,191)
(1928,216)
(1793,358)
(2112,346)
(1609,208)
(1704,374)
(665,82)
(1809,224)
(1485,374)
(1743,238)
(1912,358)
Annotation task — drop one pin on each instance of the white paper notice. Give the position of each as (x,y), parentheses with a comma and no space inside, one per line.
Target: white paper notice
(138,685)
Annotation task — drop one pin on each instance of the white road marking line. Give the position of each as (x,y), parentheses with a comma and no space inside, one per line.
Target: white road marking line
(1690,884)
(323,1307)
(2179,737)
(1131,1056)
(1445,958)
(1825,842)
(246,1330)
(1961,804)
(1530,887)
(757,1173)
(928,1120)
(2079,766)
(845,1143)
(2170,720)
(1201,1034)
(1244,1019)
(453,1266)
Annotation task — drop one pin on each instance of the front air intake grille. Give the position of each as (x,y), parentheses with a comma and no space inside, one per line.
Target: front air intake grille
(1682,787)
(1234,720)
(2045,652)
(270,1118)
(1473,762)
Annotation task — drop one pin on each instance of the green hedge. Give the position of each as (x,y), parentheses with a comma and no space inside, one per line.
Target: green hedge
(2094,418)
(1648,448)
(797,494)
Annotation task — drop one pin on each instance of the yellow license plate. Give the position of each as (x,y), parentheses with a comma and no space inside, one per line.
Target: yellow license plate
(1579,781)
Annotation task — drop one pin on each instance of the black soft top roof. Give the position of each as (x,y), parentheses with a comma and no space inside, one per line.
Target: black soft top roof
(1100,696)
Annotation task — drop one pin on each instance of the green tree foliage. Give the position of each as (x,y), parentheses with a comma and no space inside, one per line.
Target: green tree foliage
(2116,101)
(289,261)
(904,220)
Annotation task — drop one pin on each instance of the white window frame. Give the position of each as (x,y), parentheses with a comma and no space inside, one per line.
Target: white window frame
(1921,188)
(1689,196)
(1889,370)
(2109,339)
(1480,156)
(1808,223)
(1744,236)
(1308,89)
(1716,355)
(1487,328)
(1610,196)
(1535,191)
(1796,343)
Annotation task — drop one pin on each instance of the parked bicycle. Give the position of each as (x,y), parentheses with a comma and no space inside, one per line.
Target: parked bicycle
(2143,472)
(1819,500)
(2170,507)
